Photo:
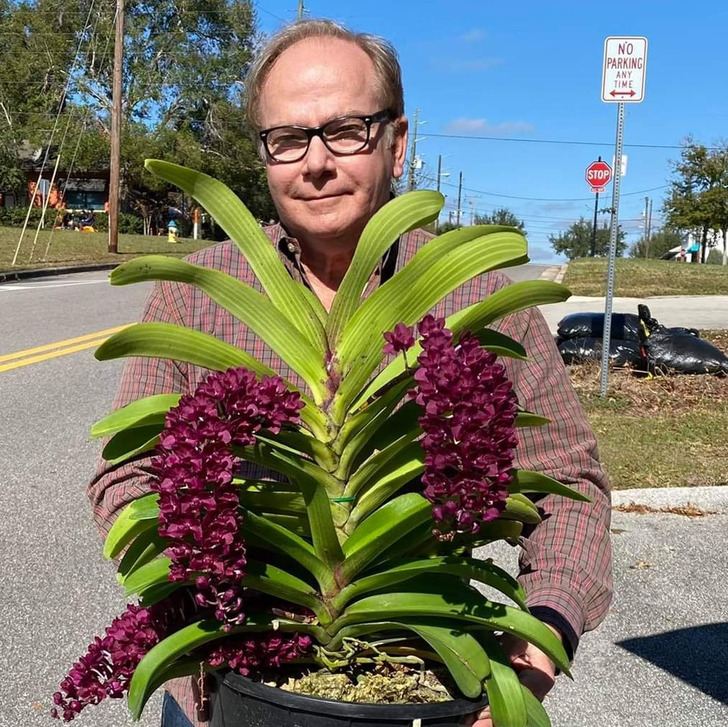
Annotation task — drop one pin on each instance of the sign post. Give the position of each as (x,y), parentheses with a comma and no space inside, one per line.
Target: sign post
(598,175)
(623,81)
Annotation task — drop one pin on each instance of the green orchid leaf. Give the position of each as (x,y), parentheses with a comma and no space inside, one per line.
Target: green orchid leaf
(508,530)
(463,567)
(461,603)
(265,532)
(510,299)
(316,486)
(385,462)
(493,341)
(149,410)
(132,441)
(274,581)
(505,693)
(145,507)
(258,501)
(529,419)
(178,645)
(530,481)
(154,573)
(403,468)
(461,653)
(519,507)
(145,547)
(399,215)
(231,214)
(405,419)
(362,425)
(412,292)
(390,523)
(177,343)
(170,341)
(127,526)
(299,442)
(536,714)
(243,302)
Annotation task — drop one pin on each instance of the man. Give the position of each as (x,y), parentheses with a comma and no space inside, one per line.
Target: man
(328,108)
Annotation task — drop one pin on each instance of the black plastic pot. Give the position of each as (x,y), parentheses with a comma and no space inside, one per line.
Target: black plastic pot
(240,702)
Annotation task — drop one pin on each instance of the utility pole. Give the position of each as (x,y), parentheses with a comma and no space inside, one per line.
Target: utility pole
(649,225)
(413,154)
(301,9)
(644,234)
(460,196)
(115,131)
(472,212)
(439,176)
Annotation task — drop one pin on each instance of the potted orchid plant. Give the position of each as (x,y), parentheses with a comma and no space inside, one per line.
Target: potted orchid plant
(398,460)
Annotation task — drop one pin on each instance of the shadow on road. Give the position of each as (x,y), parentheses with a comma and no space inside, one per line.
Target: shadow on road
(695,655)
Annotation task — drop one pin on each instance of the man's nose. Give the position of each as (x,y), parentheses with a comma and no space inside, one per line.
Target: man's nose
(318,159)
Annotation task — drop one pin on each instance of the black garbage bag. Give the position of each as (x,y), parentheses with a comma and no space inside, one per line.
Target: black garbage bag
(625,326)
(678,350)
(683,353)
(652,324)
(621,352)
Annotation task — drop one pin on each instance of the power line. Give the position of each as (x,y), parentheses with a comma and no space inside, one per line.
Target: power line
(569,142)
(549,199)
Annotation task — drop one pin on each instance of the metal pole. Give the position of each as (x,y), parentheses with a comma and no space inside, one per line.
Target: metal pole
(439,176)
(301,9)
(593,250)
(413,154)
(593,246)
(460,195)
(612,249)
(115,131)
(647,225)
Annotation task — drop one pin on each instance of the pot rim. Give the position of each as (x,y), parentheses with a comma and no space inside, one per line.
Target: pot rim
(303,702)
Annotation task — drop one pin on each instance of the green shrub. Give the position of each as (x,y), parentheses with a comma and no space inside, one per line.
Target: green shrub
(715,257)
(130,224)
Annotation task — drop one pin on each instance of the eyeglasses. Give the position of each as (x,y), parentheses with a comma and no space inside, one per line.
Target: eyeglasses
(342,136)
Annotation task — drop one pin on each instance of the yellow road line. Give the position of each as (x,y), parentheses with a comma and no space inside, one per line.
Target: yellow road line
(53,350)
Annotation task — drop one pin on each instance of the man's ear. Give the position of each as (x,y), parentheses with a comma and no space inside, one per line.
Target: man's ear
(399,145)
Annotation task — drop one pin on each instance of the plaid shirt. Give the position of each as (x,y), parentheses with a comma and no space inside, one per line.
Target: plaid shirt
(565,562)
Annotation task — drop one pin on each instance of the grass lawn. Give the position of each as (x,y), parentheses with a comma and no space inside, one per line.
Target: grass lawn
(642,278)
(65,247)
(661,432)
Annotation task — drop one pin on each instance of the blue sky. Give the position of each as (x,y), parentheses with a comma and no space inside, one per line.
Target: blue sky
(528,75)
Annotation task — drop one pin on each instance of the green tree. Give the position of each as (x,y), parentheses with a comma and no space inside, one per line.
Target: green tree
(184,64)
(576,241)
(698,196)
(501,216)
(36,53)
(660,242)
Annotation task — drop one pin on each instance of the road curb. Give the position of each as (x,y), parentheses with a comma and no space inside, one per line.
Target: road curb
(11,275)
(560,275)
(708,498)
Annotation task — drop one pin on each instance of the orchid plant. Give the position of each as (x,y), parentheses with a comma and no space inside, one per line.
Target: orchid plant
(398,456)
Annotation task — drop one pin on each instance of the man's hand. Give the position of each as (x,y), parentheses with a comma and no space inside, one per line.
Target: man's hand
(535,670)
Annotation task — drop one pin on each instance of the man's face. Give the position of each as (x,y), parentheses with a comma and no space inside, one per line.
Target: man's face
(325,197)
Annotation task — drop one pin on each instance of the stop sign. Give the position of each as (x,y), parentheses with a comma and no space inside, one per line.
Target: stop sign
(599,175)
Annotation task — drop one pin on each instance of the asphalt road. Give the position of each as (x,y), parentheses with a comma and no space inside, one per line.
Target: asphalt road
(659,658)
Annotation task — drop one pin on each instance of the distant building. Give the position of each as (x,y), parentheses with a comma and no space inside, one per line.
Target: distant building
(80,191)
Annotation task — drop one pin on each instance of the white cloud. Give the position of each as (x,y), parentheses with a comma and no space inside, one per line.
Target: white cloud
(474,35)
(483,126)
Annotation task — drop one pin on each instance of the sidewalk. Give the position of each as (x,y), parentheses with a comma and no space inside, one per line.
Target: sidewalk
(692,311)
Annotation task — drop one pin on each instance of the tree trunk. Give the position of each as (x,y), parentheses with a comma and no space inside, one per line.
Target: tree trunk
(725,247)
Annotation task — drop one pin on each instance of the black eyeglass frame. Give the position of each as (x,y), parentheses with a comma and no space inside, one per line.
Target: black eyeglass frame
(311,131)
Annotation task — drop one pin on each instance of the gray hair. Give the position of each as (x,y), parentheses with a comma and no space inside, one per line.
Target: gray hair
(380,51)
